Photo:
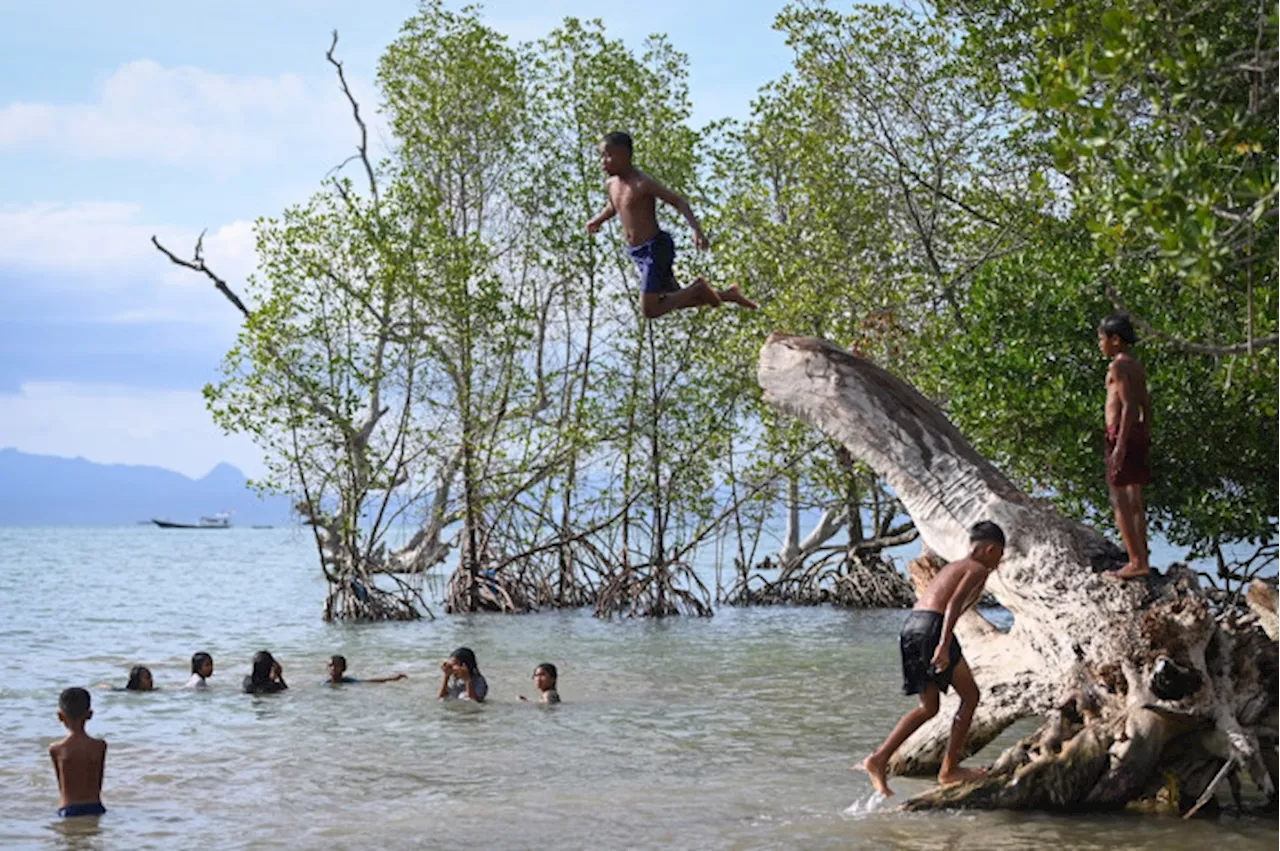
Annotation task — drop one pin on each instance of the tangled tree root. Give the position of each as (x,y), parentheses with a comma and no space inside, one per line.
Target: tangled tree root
(359,599)
(653,591)
(864,583)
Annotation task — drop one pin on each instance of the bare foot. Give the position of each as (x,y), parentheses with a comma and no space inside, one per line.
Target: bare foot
(734,294)
(961,775)
(704,294)
(1129,571)
(875,770)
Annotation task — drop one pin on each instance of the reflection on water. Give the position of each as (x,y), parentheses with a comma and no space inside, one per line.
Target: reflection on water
(731,733)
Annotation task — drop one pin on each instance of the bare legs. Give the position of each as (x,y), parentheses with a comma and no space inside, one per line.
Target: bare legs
(697,294)
(1131,517)
(876,764)
(967,689)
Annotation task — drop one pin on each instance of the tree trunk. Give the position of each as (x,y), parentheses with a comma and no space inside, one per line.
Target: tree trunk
(1261,598)
(1133,680)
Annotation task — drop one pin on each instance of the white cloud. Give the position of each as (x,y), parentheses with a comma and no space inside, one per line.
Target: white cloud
(114,424)
(105,248)
(181,115)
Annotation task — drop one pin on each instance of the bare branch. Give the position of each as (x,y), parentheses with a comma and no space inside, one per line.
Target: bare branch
(196,264)
(355,111)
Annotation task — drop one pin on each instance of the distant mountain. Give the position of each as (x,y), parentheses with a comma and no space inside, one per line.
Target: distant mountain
(44,490)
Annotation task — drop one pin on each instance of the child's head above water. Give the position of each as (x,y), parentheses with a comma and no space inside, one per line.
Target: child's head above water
(337,667)
(139,679)
(615,152)
(202,664)
(263,664)
(465,657)
(74,706)
(544,677)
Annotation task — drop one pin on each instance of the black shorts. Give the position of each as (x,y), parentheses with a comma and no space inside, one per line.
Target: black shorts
(918,641)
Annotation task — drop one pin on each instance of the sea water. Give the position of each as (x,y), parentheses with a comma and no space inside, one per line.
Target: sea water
(731,732)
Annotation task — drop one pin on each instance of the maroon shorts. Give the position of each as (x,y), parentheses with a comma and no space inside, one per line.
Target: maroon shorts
(1134,470)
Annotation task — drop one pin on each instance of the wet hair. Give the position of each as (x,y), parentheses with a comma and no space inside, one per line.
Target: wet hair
(618,139)
(263,662)
(135,678)
(466,657)
(198,660)
(986,532)
(1118,325)
(341,660)
(74,703)
(550,669)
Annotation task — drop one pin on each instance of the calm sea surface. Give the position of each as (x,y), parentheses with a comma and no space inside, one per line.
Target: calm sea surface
(734,732)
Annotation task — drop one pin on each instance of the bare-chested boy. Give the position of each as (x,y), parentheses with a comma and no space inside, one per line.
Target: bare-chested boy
(632,197)
(932,660)
(79,759)
(1128,415)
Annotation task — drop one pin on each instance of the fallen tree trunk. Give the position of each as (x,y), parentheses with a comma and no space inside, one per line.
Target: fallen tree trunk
(1134,681)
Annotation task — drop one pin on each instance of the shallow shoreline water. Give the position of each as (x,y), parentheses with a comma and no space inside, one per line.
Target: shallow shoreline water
(734,732)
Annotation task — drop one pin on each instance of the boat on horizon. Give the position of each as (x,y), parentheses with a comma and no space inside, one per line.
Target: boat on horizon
(216,521)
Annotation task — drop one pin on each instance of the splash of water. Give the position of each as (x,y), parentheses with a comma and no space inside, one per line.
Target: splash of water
(863,807)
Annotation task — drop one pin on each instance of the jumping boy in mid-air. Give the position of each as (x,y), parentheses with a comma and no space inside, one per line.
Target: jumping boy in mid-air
(932,660)
(78,760)
(632,197)
(1128,417)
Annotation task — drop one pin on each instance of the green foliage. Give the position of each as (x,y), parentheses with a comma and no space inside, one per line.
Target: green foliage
(960,196)
(1160,118)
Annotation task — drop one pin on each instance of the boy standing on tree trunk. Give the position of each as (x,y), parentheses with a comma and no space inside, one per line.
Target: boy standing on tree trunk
(632,197)
(1128,417)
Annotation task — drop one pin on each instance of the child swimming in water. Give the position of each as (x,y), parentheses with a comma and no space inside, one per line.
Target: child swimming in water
(544,680)
(79,759)
(267,677)
(139,679)
(201,670)
(338,674)
(462,677)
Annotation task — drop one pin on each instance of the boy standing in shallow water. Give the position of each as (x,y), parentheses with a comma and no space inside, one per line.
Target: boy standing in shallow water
(632,197)
(1128,417)
(79,759)
(932,659)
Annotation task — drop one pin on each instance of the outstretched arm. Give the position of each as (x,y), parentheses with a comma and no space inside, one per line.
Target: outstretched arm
(389,679)
(679,203)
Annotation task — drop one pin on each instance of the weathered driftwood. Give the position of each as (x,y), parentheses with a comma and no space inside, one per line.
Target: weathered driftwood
(1261,598)
(1134,681)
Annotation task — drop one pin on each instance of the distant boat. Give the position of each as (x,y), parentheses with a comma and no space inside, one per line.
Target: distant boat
(217,521)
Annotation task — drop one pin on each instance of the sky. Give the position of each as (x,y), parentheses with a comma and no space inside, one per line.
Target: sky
(172,118)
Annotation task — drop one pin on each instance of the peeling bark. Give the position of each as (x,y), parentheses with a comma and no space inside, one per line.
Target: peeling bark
(1261,597)
(1131,679)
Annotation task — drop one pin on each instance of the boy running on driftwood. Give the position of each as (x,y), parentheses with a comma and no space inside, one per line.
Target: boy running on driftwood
(932,660)
(1128,420)
(632,197)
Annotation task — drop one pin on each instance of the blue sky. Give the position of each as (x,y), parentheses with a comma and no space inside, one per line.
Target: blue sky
(170,118)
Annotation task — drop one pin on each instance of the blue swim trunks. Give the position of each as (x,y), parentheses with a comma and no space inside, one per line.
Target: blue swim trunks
(654,259)
(94,809)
